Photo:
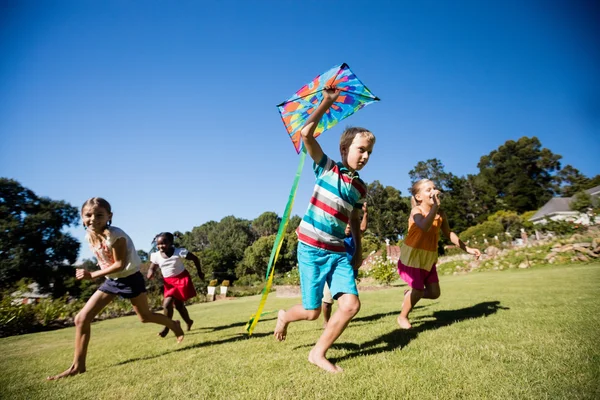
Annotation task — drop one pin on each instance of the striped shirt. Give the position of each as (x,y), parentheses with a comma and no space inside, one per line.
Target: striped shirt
(337,191)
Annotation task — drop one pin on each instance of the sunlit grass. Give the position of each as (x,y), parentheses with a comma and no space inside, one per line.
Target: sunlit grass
(506,335)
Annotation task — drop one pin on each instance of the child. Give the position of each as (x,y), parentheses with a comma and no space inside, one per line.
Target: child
(418,253)
(120,264)
(350,249)
(178,286)
(336,200)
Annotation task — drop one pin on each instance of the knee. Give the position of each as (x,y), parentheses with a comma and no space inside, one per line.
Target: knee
(435,294)
(144,318)
(311,315)
(167,304)
(80,319)
(351,306)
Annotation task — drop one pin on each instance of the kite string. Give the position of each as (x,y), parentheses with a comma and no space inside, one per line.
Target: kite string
(277,246)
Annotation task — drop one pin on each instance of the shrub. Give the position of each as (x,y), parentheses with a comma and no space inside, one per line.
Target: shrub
(292,277)
(213,282)
(249,280)
(225,283)
(15,318)
(383,270)
(478,232)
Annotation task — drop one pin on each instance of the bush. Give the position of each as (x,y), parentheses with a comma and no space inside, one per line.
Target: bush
(15,318)
(249,280)
(225,283)
(213,282)
(383,270)
(292,277)
(479,232)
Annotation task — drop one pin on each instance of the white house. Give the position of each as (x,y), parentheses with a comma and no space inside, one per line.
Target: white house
(559,209)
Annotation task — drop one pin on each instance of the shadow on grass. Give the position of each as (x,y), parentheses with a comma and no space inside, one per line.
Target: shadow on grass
(399,338)
(234,325)
(234,338)
(375,317)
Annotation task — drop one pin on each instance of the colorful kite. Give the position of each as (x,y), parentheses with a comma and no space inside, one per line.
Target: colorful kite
(294,113)
(296,110)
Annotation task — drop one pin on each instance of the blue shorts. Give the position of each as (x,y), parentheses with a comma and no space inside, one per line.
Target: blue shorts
(129,287)
(317,266)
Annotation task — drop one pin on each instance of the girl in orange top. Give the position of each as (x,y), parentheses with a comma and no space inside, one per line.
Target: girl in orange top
(418,253)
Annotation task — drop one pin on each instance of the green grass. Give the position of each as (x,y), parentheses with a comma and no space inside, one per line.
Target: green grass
(516,334)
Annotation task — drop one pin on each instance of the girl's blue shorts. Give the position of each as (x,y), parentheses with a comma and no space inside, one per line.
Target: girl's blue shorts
(129,287)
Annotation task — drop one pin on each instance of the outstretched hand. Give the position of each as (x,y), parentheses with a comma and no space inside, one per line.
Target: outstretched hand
(474,252)
(81,273)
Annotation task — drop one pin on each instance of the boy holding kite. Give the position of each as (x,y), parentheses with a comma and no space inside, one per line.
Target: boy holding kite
(336,201)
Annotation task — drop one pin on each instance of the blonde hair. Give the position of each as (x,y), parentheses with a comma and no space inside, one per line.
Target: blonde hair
(92,238)
(350,133)
(415,189)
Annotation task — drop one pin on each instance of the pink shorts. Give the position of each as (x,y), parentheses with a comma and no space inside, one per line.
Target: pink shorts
(417,278)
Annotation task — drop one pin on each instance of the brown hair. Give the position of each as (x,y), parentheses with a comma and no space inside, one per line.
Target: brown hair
(350,133)
(98,202)
(415,189)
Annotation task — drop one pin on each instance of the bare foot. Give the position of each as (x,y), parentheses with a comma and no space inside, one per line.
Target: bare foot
(163,333)
(403,322)
(178,331)
(189,325)
(71,371)
(323,363)
(281,327)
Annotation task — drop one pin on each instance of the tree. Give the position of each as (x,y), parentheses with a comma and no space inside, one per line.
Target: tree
(292,225)
(388,211)
(266,224)
(432,169)
(33,244)
(521,173)
(581,202)
(256,257)
(571,181)
(220,245)
(144,257)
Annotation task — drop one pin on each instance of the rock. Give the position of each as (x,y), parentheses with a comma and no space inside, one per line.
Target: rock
(586,251)
(524,264)
(581,257)
(474,264)
(582,244)
(492,251)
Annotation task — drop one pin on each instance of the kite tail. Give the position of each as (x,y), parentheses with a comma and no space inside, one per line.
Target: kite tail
(277,246)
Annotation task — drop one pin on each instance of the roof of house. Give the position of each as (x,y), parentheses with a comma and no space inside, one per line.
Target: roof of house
(595,191)
(560,205)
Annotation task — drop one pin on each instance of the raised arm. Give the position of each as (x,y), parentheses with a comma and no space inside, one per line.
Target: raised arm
(119,251)
(425,221)
(453,237)
(312,146)
(192,257)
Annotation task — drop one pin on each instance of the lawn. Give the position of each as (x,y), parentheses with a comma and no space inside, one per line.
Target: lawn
(516,334)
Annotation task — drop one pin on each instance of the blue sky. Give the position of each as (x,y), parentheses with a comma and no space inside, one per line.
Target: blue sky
(167,109)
